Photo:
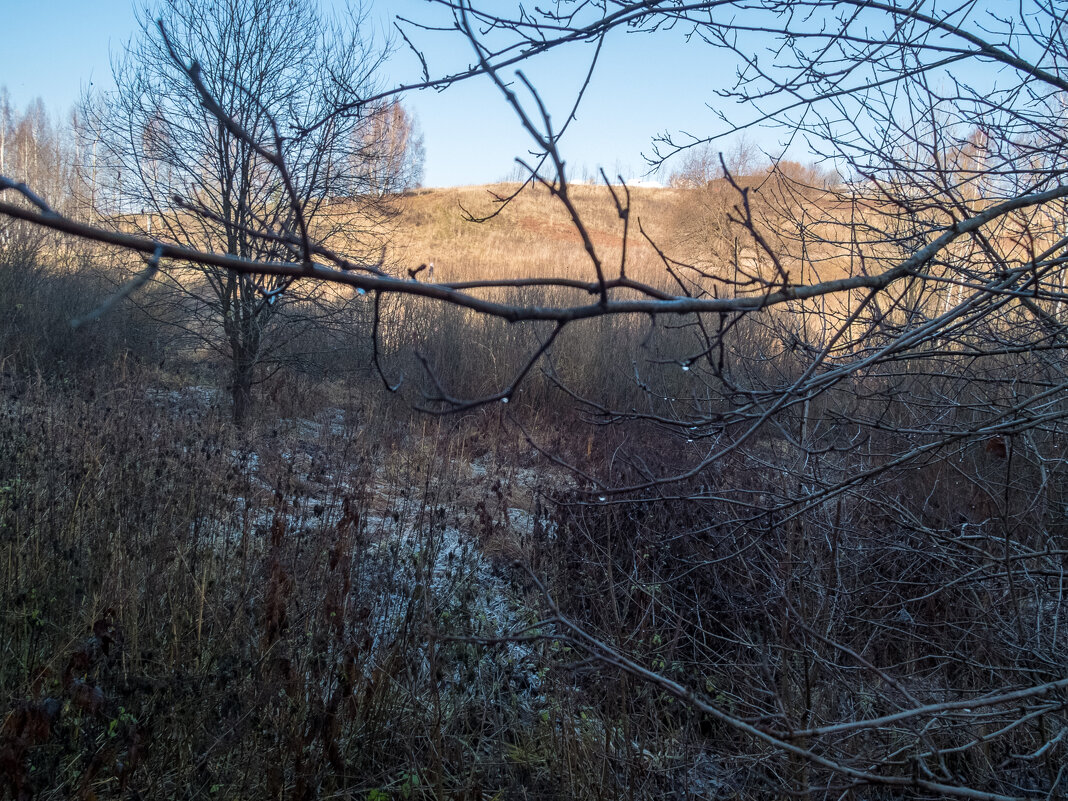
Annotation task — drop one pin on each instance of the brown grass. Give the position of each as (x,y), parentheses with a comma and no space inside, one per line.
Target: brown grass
(532,235)
(186,611)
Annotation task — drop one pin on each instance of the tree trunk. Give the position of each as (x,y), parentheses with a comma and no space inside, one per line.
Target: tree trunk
(241,390)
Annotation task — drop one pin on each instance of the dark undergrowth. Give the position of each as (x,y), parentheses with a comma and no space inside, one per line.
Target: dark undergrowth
(334,601)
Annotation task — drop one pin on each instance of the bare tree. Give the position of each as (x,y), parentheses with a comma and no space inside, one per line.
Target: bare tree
(172,168)
(32,149)
(393,134)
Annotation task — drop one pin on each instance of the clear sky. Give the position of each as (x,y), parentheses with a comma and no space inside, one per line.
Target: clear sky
(643,86)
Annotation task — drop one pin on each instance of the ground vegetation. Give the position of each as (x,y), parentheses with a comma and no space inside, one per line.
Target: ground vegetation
(762,496)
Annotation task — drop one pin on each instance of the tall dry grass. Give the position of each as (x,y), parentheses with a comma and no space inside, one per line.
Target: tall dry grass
(314,608)
(189,612)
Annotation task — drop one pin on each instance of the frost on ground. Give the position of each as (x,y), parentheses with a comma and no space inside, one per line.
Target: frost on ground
(192,398)
(434,606)
(420,572)
(462,594)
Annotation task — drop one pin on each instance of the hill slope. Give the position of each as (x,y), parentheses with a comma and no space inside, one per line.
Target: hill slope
(532,235)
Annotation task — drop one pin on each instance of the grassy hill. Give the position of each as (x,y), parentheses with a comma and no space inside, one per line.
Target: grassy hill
(468,233)
(532,235)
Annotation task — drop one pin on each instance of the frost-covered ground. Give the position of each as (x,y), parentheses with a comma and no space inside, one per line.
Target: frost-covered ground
(435,536)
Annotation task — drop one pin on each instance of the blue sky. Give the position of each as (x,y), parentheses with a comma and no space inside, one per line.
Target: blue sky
(643,86)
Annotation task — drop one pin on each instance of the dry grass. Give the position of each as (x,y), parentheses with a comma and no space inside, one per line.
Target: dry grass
(533,235)
(190,612)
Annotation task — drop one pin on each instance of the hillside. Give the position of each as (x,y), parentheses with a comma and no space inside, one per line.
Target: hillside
(532,235)
(467,234)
